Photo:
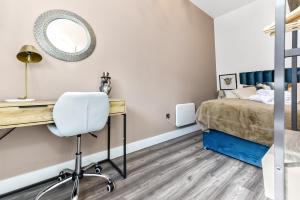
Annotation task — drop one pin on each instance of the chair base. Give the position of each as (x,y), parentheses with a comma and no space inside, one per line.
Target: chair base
(68,175)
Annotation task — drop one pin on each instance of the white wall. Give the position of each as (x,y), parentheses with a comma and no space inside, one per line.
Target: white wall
(241,44)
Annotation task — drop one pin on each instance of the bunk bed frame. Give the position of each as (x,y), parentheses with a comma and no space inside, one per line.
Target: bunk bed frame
(279,106)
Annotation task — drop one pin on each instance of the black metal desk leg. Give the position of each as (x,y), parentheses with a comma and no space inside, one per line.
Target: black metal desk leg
(108,138)
(124,172)
(124,146)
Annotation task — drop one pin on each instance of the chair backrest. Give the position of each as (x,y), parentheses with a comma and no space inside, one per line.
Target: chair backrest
(80,112)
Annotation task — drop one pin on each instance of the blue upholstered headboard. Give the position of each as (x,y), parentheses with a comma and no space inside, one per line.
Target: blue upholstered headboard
(252,78)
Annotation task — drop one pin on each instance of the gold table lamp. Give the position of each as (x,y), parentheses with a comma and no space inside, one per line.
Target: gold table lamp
(28,54)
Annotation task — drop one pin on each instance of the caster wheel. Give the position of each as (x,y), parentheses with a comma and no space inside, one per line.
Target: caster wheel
(98,169)
(62,176)
(110,186)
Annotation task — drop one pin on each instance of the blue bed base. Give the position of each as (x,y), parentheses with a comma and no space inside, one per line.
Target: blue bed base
(244,150)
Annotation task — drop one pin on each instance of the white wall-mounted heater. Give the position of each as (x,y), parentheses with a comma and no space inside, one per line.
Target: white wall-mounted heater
(185,114)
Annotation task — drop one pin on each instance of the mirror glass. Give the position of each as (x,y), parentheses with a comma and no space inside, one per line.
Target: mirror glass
(64,35)
(67,35)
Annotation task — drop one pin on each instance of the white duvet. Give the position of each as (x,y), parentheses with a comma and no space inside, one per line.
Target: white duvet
(267,96)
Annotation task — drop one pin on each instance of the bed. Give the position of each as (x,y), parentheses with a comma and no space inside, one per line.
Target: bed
(245,119)
(242,129)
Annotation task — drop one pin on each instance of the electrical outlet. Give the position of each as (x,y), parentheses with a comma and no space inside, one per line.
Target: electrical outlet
(168,116)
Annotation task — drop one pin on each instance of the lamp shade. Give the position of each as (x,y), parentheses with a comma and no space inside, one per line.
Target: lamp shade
(29,54)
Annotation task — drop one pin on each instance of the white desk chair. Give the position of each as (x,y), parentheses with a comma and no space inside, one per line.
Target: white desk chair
(74,114)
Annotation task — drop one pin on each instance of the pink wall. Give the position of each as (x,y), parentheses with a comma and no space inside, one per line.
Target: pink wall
(159,53)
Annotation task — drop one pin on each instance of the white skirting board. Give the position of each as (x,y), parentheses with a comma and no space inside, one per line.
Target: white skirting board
(30,178)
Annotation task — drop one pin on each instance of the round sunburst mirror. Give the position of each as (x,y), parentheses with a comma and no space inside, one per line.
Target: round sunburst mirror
(64,35)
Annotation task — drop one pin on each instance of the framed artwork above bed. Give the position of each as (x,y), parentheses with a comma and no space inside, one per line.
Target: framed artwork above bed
(228,82)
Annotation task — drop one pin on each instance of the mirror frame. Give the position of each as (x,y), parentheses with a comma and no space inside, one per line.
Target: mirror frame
(40,33)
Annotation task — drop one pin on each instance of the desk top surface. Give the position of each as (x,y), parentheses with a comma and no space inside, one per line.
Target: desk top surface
(4,104)
(39,112)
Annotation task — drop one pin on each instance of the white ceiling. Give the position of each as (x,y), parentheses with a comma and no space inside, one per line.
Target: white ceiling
(216,8)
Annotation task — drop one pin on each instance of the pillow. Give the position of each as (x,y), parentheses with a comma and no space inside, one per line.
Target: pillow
(230,94)
(290,87)
(272,85)
(260,86)
(244,86)
(244,93)
(298,91)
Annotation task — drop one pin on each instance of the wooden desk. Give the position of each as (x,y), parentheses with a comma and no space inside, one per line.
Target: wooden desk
(22,114)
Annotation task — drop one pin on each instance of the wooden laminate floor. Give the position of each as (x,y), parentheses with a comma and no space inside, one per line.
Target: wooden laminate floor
(177,170)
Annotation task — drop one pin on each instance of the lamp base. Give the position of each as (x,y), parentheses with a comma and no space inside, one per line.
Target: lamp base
(19,100)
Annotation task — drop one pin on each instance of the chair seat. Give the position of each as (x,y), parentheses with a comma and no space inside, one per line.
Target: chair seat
(77,113)
(54,130)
